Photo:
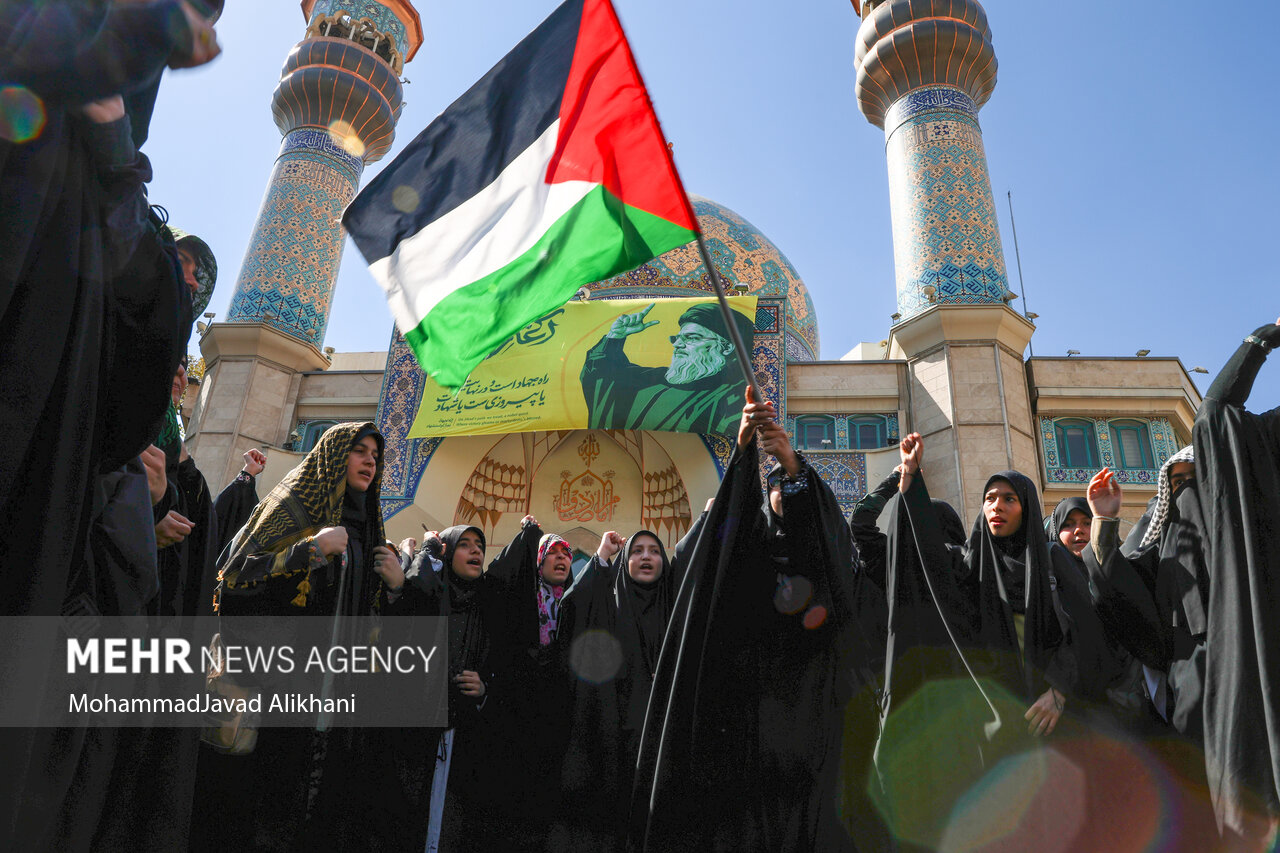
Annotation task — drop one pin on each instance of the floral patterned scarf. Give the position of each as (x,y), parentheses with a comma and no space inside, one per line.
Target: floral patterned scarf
(548,596)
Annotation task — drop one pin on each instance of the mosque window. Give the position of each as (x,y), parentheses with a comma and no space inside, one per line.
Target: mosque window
(1132,443)
(1077,443)
(816,432)
(309,433)
(867,433)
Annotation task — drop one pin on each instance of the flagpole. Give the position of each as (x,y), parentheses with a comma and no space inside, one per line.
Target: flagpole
(739,346)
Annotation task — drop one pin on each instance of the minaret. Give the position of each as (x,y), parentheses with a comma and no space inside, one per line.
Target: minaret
(336,106)
(924,69)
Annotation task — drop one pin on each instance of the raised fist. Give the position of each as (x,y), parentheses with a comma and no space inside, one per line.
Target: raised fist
(254,461)
(610,543)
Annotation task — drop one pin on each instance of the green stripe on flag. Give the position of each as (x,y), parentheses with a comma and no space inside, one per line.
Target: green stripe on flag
(597,238)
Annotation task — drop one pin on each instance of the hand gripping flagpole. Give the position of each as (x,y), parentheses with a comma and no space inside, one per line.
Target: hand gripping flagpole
(739,346)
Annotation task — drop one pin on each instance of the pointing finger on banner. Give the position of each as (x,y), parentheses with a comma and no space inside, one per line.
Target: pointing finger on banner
(629,324)
(640,318)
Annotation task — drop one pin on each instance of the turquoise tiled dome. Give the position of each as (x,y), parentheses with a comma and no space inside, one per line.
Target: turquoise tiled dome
(743,255)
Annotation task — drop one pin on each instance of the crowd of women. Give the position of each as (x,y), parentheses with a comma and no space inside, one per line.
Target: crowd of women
(784,679)
(787,680)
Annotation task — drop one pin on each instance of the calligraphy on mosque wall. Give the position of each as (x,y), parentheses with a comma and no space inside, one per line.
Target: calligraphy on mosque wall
(664,364)
(586,497)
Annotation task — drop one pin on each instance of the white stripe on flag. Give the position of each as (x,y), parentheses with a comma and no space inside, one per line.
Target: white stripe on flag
(479,237)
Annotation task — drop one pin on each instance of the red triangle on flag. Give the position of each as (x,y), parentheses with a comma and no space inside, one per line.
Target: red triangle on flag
(609,133)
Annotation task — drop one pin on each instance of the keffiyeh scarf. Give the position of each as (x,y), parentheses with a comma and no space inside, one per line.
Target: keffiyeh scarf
(1164,495)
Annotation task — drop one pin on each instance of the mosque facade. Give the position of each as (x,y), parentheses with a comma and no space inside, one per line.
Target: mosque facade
(951,367)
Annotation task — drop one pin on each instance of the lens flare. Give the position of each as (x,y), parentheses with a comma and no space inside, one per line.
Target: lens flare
(815,617)
(932,752)
(346,138)
(405,199)
(792,594)
(1033,799)
(22,115)
(595,656)
(1084,788)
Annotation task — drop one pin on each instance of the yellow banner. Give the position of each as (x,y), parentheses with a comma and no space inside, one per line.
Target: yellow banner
(661,364)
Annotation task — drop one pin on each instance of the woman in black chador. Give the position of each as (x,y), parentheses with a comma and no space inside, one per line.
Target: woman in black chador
(1238,457)
(1109,690)
(741,747)
(996,638)
(1151,594)
(534,572)
(313,547)
(1007,613)
(611,628)
(447,777)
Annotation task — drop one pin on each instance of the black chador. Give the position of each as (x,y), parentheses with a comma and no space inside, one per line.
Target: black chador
(1238,466)
(1108,692)
(918,648)
(611,628)
(1004,609)
(1151,594)
(150,795)
(976,635)
(85,352)
(446,778)
(929,624)
(535,709)
(741,748)
(232,508)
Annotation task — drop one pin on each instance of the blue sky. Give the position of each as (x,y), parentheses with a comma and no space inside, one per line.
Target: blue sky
(1137,142)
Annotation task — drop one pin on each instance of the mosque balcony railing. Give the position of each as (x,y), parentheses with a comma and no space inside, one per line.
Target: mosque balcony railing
(362,31)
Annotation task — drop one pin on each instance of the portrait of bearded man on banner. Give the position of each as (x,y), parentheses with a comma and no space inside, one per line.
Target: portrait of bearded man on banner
(701,391)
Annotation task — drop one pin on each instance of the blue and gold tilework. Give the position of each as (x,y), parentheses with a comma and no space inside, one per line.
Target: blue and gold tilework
(292,260)
(845,474)
(404,459)
(945,232)
(721,448)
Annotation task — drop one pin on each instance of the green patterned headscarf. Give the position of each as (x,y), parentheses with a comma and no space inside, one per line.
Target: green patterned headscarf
(206,268)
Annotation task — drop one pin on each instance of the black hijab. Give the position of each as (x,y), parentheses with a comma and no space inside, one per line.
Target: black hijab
(643,610)
(360,543)
(1014,575)
(468,639)
(1065,507)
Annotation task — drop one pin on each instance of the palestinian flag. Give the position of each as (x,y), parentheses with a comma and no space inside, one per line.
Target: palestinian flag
(550,173)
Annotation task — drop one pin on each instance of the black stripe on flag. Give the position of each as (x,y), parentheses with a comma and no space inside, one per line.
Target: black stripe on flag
(469,145)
